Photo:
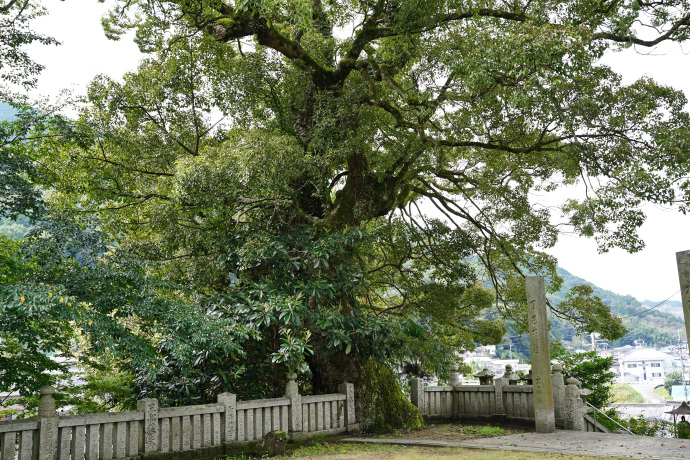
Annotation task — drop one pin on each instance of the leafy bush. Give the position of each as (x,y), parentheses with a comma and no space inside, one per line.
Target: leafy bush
(589,368)
(673,378)
(637,425)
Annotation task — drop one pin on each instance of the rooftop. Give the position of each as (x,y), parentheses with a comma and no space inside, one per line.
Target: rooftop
(646,354)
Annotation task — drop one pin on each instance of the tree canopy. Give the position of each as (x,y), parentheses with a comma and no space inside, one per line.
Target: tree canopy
(348,179)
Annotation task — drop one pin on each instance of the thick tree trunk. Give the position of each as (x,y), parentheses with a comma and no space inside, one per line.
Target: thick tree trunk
(331,369)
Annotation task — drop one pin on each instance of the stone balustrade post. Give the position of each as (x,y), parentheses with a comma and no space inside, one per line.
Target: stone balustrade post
(499,385)
(150,408)
(573,415)
(348,389)
(48,425)
(295,411)
(229,401)
(455,378)
(417,393)
(558,393)
(510,376)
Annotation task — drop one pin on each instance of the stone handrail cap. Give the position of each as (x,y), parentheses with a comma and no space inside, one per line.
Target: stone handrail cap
(557,368)
(47,390)
(573,381)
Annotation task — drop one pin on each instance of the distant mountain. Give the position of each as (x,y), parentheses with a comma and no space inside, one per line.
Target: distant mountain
(12,228)
(673,307)
(656,325)
(7,112)
(15,229)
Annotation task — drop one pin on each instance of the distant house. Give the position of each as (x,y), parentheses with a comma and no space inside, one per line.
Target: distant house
(646,365)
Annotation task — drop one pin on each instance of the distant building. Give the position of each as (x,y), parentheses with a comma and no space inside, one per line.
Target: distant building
(646,365)
(678,392)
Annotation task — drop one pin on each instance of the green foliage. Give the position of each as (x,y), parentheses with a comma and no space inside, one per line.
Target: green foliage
(673,378)
(637,425)
(384,407)
(258,203)
(593,371)
(642,427)
(683,430)
(580,300)
(16,33)
(18,192)
(34,322)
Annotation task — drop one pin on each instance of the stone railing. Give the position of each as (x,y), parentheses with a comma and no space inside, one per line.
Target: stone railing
(500,400)
(190,432)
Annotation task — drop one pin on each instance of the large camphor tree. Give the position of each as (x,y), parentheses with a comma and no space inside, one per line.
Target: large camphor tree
(344,179)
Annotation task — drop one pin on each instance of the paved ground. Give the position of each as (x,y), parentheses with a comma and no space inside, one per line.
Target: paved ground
(647,392)
(572,442)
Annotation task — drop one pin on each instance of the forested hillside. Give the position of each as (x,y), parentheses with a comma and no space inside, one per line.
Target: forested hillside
(6,112)
(643,320)
(654,322)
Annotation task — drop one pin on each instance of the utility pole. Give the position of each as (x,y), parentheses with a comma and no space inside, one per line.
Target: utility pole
(682,365)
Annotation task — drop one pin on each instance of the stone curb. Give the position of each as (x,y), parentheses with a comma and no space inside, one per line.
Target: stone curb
(470,445)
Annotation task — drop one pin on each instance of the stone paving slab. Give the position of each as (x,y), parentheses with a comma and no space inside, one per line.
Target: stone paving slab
(571,442)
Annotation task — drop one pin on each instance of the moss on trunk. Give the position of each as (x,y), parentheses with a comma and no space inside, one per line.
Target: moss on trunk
(384,407)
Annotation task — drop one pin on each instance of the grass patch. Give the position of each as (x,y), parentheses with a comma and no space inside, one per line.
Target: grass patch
(662,393)
(624,393)
(459,431)
(478,430)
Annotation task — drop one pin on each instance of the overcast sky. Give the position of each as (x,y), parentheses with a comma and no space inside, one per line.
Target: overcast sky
(650,274)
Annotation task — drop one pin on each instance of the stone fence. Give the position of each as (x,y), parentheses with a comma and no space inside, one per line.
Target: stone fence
(178,432)
(502,400)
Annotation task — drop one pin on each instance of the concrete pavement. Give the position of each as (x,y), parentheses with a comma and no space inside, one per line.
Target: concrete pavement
(570,442)
(647,392)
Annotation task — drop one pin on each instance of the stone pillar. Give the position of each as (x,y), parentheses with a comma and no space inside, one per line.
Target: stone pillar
(558,393)
(229,401)
(683,263)
(498,393)
(150,408)
(455,379)
(417,393)
(573,416)
(292,392)
(348,389)
(545,420)
(455,383)
(47,425)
